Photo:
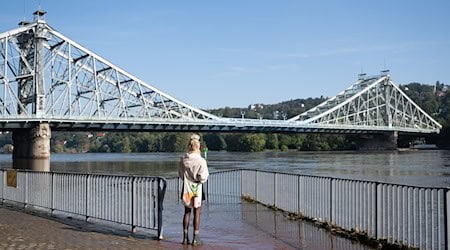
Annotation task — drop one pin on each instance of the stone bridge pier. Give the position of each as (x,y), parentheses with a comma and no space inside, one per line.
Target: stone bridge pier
(32,148)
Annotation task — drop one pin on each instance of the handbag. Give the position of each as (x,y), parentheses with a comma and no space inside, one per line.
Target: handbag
(192,193)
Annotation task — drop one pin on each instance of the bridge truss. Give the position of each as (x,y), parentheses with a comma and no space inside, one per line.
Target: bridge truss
(47,77)
(373,101)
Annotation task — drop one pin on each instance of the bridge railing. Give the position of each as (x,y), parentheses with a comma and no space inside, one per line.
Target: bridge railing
(411,215)
(126,200)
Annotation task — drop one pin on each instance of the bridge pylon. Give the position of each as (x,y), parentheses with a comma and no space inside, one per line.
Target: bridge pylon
(32,145)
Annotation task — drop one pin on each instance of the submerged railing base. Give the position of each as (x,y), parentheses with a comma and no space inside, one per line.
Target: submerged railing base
(395,214)
(355,235)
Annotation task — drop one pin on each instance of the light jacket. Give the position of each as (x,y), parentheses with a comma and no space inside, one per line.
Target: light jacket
(193,167)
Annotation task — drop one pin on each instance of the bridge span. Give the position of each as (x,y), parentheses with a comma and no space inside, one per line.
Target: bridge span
(50,82)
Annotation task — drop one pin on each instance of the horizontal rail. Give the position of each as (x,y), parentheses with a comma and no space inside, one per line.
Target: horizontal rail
(126,200)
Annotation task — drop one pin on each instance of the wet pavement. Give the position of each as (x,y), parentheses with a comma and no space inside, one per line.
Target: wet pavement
(223,226)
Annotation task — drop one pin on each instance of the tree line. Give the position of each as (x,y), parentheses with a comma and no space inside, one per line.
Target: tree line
(433,99)
(177,142)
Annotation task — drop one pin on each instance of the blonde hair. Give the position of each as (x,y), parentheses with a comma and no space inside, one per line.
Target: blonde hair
(194,143)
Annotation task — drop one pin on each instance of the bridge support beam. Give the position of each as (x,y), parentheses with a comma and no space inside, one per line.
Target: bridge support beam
(384,141)
(32,148)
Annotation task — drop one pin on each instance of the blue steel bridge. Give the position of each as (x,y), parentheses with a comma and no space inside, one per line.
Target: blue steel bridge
(45,77)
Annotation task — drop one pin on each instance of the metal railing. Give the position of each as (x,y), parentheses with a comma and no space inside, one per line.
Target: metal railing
(402,214)
(127,200)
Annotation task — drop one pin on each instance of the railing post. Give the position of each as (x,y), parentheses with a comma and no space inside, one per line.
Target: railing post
(299,195)
(207,191)
(376,211)
(133,227)
(446,217)
(2,175)
(241,171)
(161,194)
(275,189)
(52,191)
(86,194)
(331,200)
(178,188)
(256,184)
(25,190)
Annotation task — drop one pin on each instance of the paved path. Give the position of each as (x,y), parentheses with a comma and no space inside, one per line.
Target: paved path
(231,226)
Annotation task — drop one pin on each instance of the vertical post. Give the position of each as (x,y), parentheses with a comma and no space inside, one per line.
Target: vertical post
(242,176)
(298,205)
(376,210)
(446,217)
(207,191)
(2,176)
(178,189)
(133,227)
(240,172)
(52,189)
(39,40)
(275,189)
(331,201)
(86,194)
(161,193)
(25,190)
(256,184)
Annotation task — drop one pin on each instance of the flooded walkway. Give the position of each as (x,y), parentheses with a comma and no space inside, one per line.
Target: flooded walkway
(231,226)
(251,226)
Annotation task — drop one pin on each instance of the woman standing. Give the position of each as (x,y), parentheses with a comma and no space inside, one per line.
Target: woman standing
(194,172)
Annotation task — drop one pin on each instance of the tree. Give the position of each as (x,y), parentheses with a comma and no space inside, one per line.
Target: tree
(215,141)
(272,141)
(175,142)
(291,141)
(315,142)
(254,142)
(58,148)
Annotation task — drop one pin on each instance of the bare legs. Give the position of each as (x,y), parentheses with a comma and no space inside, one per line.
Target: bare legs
(186,218)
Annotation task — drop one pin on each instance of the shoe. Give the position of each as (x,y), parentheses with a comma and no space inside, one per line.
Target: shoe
(196,241)
(185,240)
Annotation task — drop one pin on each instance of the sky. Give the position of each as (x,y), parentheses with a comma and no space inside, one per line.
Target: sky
(212,54)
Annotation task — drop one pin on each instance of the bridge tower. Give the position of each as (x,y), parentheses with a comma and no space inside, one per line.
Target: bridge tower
(385,140)
(33,143)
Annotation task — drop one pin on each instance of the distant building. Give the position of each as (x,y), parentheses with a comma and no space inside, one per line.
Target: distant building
(257,106)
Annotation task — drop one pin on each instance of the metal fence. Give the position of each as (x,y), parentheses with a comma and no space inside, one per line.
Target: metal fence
(411,215)
(127,200)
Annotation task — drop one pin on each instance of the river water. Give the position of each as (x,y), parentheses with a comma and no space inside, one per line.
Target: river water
(423,168)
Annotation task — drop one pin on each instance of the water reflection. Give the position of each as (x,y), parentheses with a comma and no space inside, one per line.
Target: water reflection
(297,234)
(32,164)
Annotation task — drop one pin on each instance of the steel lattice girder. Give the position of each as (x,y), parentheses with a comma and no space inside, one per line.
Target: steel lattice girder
(373,102)
(79,83)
